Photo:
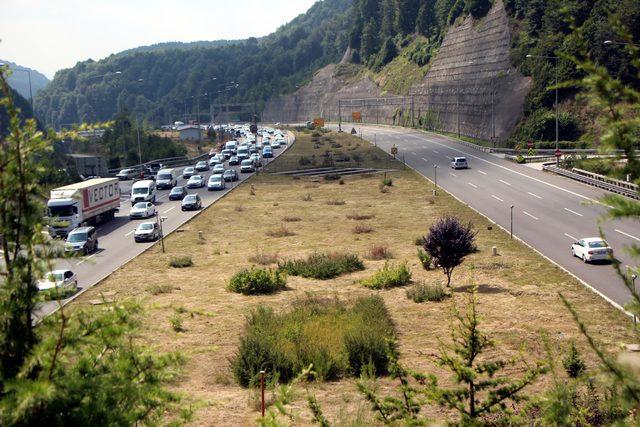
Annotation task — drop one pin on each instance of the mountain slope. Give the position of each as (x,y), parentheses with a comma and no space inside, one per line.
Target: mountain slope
(160,85)
(19,80)
(176,45)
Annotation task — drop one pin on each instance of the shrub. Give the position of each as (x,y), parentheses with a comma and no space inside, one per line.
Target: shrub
(379,252)
(263,259)
(573,363)
(336,202)
(418,241)
(359,217)
(292,219)
(390,276)
(421,292)
(160,289)
(362,229)
(307,198)
(281,231)
(387,181)
(341,182)
(181,262)
(176,323)
(448,243)
(338,338)
(256,281)
(425,259)
(383,188)
(56,294)
(322,266)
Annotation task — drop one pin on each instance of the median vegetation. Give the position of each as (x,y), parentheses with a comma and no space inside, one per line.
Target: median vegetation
(255,281)
(389,276)
(340,339)
(322,266)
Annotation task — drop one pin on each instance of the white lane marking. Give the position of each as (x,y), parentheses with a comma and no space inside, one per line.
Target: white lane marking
(534,195)
(528,214)
(497,198)
(452,174)
(473,185)
(627,234)
(512,170)
(573,212)
(130,233)
(86,258)
(425,159)
(570,236)
(169,210)
(162,197)
(414,153)
(483,173)
(436,151)
(505,182)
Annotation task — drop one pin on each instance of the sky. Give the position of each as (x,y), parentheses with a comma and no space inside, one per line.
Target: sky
(48,35)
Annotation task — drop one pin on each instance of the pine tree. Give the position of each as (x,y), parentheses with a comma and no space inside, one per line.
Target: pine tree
(426,23)
(368,43)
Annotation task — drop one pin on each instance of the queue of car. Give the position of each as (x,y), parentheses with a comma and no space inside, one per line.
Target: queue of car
(247,154)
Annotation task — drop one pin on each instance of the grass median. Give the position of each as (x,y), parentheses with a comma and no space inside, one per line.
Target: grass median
(518,290)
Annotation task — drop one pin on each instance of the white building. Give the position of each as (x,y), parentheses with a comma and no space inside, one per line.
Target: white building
(190,132)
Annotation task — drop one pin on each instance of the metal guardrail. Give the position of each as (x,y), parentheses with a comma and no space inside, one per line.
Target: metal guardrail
(170,161)
(622,190)
(624,184)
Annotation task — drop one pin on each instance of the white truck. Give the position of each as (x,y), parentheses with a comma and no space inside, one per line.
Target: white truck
(88,202)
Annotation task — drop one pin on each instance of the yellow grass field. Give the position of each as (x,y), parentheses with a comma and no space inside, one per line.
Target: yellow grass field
(518,290)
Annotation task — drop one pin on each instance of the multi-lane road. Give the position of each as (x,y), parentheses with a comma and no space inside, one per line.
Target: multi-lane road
(116,243)
(549,213)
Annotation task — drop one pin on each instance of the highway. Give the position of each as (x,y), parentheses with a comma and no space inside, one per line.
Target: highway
(116,243)
(549,214)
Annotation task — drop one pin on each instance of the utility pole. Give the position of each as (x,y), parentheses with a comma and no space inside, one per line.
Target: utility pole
(339,115)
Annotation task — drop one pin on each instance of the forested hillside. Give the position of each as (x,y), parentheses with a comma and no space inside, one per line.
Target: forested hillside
(158,85)
(19,79)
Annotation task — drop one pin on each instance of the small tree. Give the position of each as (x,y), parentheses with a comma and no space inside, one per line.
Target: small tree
(481,389)
(448,243)
(573,363)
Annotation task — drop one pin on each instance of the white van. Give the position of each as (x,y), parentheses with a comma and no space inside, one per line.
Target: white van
(166,179)
(143,191)
(231,145)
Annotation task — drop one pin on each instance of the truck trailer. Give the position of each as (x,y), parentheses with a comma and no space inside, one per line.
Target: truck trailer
(89,202)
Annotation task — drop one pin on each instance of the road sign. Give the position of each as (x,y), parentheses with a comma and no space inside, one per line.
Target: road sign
(356,116)
(394,150)
(558,153)
(353,131)
(318,122)
(530,144)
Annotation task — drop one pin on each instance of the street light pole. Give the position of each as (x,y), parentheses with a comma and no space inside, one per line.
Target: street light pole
(435,179)
(26,70)
(511,226)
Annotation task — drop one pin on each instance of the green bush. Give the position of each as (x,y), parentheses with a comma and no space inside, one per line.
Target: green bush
(255,281)
(387,181)
(425,259)
(421,292)
(390,276)
(181,262)
(338,338)
(322,266)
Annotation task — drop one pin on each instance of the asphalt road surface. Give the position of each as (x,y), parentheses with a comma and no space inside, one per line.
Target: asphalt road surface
(116,243)
(550,212)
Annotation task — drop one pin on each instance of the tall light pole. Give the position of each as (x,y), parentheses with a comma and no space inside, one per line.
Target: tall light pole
(26,70)
(511,222)
(557,111)
(435,179)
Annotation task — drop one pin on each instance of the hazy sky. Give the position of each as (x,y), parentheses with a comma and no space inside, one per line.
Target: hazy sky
(52,34)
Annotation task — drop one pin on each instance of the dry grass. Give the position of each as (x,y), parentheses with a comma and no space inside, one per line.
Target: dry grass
(281,231)
(379,252)
(359,217)
(336,202)
(518,291)
(239,208)
(263,258)
(289,218)
(362,229)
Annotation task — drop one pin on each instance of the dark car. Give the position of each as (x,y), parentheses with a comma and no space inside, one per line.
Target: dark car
(82,240)
(202,166)
(191,202)
(177,193)
(234,161)
(230,175)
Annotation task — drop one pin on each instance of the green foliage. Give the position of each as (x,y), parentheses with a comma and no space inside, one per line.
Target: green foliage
(181,262)
(389,276)
(322,266)
(337,338)
(573,363)
(422,292)
(387,181)
(86,370)
(255,281)
(477,8)
(540,125)
(423,256)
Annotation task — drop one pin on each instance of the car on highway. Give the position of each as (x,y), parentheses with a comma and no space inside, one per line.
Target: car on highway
(253,149)
(243,153)
(82,240)
(247,166)
(256,159)
(234,161)
(231,145)
(216,182)
(126,174)
(218,169)
(230,175)
(177,193)
(63,280)
(143,191)
(188,172)
(142,210)
(166,178)
(226,153)
(218,158)
(275,145)
(259,146)
(591,249)
(202,166)
(191,202)
(267,152)
(459,163)
(147,232)
(196,181)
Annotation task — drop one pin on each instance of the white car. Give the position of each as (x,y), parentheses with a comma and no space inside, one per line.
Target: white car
(217,159)
(216,182)
(188,172)
(459,163)
(142,210)
(63,280)
(147,232)
(126,174)
(591,249)
(218,169)
(196,181)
